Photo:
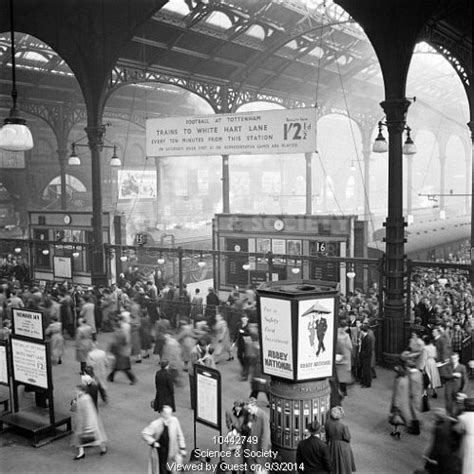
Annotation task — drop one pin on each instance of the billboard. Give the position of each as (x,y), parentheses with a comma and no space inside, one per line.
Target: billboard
(263,132)
(136,184)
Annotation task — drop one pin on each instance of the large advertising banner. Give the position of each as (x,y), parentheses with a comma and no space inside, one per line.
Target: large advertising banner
(275,325)
(28,323)
(315,338)
(136,184)
(268,131)
(29,362)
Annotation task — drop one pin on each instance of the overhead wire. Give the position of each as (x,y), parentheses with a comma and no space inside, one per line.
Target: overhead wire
(351,126)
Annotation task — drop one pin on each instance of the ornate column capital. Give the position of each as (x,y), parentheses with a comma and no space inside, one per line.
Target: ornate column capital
(395,112)
(95,136)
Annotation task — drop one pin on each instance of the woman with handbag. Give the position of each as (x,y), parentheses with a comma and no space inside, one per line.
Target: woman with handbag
(88,428)
(166,441)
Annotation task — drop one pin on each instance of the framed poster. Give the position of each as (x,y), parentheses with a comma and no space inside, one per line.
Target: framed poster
(276,337)
(29,361)
(28,323)
(4,379)
(62,267)
(316,335)
(208,396)
(279,246)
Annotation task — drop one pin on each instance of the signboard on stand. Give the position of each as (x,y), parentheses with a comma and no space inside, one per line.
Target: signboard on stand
(29,361)
(4,378)
(28,323)
(208,396)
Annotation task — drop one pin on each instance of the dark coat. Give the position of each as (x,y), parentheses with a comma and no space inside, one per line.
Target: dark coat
(164,390)
(314,454)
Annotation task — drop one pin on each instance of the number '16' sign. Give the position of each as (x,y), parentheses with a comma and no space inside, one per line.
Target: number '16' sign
(296,130)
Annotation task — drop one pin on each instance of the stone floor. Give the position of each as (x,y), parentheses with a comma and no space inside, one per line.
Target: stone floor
(129,411)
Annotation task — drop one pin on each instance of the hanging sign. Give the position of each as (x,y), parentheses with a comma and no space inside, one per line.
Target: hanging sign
(268,131)
(29,362)
(28,323)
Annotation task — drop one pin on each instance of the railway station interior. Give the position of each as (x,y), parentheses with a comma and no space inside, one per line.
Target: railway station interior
(242,196)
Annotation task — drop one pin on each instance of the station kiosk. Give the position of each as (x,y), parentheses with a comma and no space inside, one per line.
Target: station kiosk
(297,322)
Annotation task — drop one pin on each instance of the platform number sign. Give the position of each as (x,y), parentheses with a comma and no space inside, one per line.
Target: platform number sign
(320,247)
(296,130)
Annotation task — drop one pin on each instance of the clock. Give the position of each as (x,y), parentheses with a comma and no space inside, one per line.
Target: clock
(67,219)
(278,225)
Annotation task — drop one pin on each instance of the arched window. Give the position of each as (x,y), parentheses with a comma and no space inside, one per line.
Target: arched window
(53,190)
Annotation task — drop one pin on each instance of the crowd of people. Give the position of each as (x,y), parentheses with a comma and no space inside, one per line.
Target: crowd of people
(146,318)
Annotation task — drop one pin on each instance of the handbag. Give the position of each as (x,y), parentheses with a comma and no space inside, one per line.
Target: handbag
(87,436)
(425,404)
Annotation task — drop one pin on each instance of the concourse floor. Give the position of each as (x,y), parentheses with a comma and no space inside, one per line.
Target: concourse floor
(128,411)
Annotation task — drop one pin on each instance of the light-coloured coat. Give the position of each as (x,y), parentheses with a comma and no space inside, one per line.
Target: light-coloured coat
(152,433)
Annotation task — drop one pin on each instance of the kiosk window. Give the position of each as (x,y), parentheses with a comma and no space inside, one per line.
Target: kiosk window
(42,261)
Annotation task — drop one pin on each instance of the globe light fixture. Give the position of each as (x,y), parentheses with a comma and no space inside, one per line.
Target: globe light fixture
(45,252)
(15,134)
(17,249)
(381,146)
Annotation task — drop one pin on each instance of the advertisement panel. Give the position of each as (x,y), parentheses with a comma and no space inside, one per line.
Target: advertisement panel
(29,362)
(315,338)
(276,333)
(269,131)
(28,323)
(136,184)
(3,366)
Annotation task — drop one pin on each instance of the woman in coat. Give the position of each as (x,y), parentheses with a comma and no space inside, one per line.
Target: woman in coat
(406,397)
(88,428)
(344,358)
(83,342)
(339,438)
(56,340)
(222,338)
(431,368)
(166,441)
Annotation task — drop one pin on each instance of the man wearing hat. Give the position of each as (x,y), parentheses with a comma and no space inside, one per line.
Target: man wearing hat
(312,454)
(318,322)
